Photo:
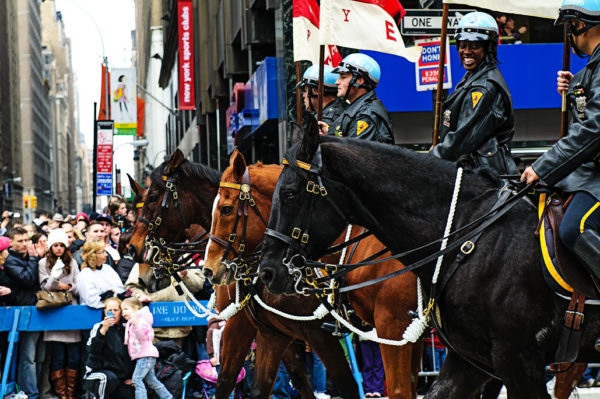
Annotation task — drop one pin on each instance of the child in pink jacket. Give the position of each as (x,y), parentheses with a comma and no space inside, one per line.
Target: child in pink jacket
(138,338)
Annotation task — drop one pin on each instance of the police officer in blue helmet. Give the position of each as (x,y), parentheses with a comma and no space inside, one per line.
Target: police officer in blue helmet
(333,107)
(366,117)
(573,163)
(478,121)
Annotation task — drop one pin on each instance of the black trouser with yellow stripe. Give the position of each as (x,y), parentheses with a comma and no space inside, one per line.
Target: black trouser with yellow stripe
(583,213)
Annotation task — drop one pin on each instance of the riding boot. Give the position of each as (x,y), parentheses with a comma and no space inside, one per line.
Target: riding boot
(587,249)
(59,383)
(71,382)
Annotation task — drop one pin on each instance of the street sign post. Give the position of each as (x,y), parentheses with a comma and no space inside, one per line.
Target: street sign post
(105,152)
(429,22)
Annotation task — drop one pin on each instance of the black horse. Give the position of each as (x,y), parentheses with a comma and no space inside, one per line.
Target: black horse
(496,311)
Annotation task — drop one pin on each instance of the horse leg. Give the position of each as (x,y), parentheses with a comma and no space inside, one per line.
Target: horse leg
(237,339)
(269,347)
(293,359)
(522,372)
(458,379)
(565,382)
(396,363)
(330,351)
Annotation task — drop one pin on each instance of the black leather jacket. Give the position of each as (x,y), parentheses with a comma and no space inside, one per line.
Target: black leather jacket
(109,352)
(478,122)
(569,164)
(366,118)
(333,110)
(22,278)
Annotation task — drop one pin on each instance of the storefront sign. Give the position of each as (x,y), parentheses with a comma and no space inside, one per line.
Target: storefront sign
(187,99)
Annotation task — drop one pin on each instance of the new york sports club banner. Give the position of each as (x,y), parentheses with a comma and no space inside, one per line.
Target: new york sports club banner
(365,25)
(185,21)
(536,8)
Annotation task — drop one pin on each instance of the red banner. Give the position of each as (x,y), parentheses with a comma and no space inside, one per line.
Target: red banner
(187,99)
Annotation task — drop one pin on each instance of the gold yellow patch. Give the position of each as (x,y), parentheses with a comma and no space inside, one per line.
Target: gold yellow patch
(361,126)
(476,97)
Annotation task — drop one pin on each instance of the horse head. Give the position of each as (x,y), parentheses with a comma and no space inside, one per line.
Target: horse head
(180,193)
(240,215)
(305,213)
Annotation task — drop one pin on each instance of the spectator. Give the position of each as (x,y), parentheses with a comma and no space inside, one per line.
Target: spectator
(214,343)
(148,288)
(4,246)
(31,228)
(21,268)
(106,222)
(4,281)
(319,375)
(95,232)
(118,211)
(109,376)
(372,370)
(508,32)
(82,221)
(434,352)
(126,263)
(58,272)
(97,280)
(138,338)
(41,239)
(115,236)
(56,221)
(5,222)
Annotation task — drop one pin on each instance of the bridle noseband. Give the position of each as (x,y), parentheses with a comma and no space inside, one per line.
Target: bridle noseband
(245,200)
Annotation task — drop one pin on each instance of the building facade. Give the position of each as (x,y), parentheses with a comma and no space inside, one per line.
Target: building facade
(10,144)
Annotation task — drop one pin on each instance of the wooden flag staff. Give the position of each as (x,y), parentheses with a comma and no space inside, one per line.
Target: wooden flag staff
(321,85)
(440,82)
(564,120)
(298,95)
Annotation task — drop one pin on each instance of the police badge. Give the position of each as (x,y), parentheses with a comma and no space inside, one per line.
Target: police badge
(447,115)
(580,101)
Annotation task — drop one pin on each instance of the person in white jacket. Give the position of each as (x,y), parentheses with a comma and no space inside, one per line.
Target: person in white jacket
(97,281)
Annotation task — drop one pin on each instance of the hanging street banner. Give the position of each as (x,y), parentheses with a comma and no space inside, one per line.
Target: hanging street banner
(124,100)
(535,8)
(429,22)
(185,20)
(427,68)
(105,161)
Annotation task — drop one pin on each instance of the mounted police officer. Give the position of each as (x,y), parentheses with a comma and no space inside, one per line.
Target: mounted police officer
(478,122)
(366,117)
(333,107)
(572,164)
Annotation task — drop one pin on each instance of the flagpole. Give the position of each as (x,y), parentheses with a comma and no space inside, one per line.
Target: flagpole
(321,72)
(564,120)
(298,95)
(440,82)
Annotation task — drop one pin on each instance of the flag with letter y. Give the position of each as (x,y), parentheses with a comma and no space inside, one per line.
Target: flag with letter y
(365,25)
(306,34)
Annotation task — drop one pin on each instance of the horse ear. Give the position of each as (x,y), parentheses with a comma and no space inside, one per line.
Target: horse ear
(174,162)
(297,133)
(310,141)
(135,186)
(238,164)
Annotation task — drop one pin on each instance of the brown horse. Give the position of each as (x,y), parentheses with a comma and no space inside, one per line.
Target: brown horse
(164,213)
(401,363)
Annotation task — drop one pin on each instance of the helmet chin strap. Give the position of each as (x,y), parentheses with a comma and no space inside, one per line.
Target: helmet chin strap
(354,84)
(576,32)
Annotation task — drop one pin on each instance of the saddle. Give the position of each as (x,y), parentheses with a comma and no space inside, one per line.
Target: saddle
(563,271)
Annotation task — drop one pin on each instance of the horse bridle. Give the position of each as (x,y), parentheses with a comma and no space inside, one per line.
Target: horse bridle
(156,244)
(245,200)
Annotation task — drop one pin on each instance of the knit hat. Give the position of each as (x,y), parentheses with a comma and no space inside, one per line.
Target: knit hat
(4,243)
(82,215)
(58,236)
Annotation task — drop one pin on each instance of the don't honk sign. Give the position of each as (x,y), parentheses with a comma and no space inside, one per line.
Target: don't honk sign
(427,68)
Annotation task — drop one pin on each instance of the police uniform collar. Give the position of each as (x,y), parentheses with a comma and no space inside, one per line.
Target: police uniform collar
(595,57)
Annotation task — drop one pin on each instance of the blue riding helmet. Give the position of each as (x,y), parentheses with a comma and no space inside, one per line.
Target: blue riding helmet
(477,27)
(361,65)
(311,78)
(587,11)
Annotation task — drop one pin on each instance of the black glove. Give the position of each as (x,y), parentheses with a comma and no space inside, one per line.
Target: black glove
(107,294)
(124,294)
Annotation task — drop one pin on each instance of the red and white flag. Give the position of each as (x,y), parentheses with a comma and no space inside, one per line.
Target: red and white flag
(306,34)
(365,25)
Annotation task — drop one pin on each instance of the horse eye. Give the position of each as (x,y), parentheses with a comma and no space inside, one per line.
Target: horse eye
(226,210)
(288,195)
(152,198)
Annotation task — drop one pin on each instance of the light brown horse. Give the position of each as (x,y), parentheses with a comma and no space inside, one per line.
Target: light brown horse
(196,187)
(372,304)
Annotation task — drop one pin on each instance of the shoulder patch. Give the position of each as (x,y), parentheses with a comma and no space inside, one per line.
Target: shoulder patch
(476,95)
(360,127)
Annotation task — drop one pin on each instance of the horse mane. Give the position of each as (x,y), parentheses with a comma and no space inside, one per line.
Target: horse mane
(188,169)
(373,153)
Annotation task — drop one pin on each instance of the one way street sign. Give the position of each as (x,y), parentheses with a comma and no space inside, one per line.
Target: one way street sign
(429,22)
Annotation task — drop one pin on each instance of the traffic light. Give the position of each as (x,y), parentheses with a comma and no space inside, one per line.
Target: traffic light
(33,201)
(26,201)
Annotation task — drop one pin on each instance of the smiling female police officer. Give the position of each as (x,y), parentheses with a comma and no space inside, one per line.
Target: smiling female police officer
(478,122)
(572,164)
